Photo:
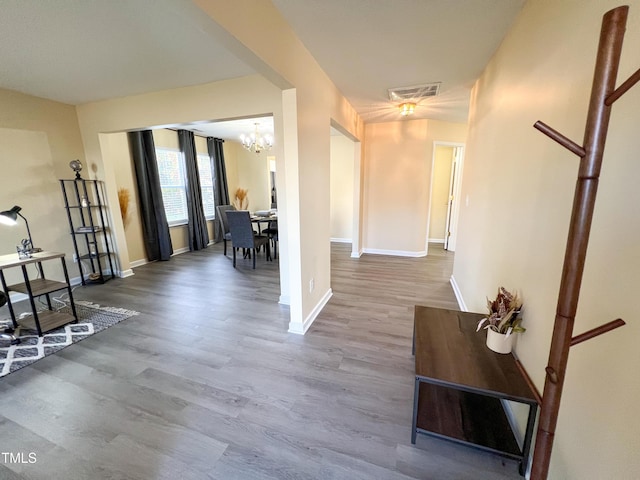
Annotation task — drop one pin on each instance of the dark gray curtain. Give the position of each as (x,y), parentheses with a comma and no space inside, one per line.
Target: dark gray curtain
(220,187)
(155,228)
(197,226)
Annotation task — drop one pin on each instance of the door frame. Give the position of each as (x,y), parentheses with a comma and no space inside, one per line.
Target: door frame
(457,184)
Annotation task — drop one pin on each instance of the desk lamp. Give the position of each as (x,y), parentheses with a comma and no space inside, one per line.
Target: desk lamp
(10,217)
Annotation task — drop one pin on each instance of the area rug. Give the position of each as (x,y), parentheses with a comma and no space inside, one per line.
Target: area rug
(92,318)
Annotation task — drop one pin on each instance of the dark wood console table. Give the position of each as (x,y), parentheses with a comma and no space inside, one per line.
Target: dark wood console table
(460,384)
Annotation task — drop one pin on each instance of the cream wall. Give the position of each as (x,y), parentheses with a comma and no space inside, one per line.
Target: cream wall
(38,139)
(342,183)
(116,152)
(239,97)
(250,171)
(519,186)
(310,102)
(398,158)
(115,148)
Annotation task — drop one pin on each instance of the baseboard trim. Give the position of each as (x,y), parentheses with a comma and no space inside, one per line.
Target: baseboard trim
(341,240)
(511,418)
(356,254)
(180,250)
(138,263)
(395,253)
(458,294)
(126,273)
(284,300)
(436,240)
(301,328)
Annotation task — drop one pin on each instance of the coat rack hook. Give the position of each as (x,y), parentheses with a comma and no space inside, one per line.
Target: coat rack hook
(561,139)
(607,327)
(622,89)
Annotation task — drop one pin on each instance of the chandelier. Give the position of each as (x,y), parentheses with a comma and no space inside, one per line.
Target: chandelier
(256,142)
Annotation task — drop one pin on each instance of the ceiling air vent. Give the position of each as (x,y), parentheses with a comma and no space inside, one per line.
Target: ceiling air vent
(416,92)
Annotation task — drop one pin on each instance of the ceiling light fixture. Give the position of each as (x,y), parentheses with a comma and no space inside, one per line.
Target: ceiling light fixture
(407,108)
(256,142)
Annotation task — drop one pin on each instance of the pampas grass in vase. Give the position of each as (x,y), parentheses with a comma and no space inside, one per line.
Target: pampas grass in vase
(241,200)
(124,196)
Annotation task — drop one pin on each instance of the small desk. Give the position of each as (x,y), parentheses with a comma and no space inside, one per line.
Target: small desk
(460,383)
(46,320)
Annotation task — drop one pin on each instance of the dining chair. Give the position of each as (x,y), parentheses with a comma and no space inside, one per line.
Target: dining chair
(222,210)
(272,232)
(243,236)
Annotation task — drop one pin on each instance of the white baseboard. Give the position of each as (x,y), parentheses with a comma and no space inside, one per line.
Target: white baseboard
(284,300)
(301,328)
(436,240)
(138,263)
(458,294)
(180,250)
(395,253)
(126,273)
(341,240)
(356,254)
(518,435)
(74,281)
(511,418)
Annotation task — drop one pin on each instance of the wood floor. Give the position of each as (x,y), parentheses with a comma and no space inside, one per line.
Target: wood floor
(207,384)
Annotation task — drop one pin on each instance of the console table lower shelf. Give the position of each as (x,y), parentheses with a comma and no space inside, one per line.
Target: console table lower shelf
(460,385)
(41,321)
(464,417)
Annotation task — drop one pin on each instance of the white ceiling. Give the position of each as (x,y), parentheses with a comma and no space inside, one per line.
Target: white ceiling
(79,51)
(369,46)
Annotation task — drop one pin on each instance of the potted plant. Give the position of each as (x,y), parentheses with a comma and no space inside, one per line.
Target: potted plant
(503,321)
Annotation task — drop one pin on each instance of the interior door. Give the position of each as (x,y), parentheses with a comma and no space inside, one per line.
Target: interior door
(452,189)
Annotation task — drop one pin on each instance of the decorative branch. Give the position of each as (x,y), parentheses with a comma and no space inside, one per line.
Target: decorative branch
(124,196)
(241,200)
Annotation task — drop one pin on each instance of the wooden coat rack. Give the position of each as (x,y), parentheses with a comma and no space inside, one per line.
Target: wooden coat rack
(603,95)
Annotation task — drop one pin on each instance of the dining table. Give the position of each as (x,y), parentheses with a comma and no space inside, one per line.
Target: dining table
(259,220)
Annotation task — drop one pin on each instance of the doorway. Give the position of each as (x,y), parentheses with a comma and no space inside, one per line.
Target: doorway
(445,191)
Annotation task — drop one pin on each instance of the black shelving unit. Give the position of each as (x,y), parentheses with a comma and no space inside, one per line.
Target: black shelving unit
(86,210)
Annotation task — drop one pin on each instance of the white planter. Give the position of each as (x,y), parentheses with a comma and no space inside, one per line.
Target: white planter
(499,342)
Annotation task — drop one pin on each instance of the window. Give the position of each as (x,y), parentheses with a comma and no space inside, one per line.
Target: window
(206,185)
(173,185)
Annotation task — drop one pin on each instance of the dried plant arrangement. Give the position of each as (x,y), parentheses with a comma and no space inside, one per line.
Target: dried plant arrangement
(241,200)
(124,196)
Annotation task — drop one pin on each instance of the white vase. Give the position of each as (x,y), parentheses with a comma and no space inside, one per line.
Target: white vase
(499,342)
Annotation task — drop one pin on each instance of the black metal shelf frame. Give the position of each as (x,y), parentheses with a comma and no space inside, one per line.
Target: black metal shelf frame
(83,201)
